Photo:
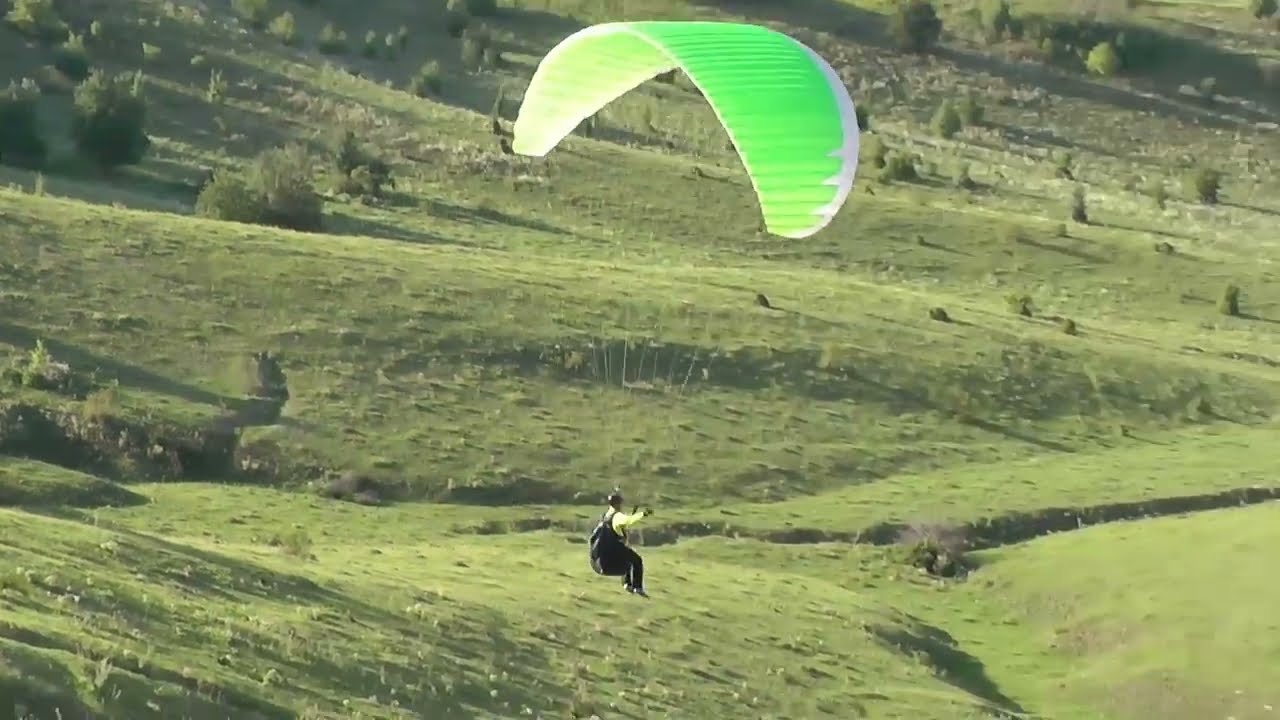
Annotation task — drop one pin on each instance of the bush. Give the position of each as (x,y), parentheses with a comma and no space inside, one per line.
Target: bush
(276,190)
(370,47)
(253,12)
(946,120)
(939,314)
(972,113)
(476,44)
(1079,213)
(457,18)
(109,119)
(72,60)
(1068,326)
(1020,304)
(427,81)
(38,20)
(1262,8)
(961,178)
(332,41)
(1204,185)
(1159,194)
(936,550)
(284,29)
(899,167)
(995,18)
(915,26)
(1229,303)
(1103,60)
(874,151)
(21,144)
(402,38)
(392,44)
(362,173)
(864,118)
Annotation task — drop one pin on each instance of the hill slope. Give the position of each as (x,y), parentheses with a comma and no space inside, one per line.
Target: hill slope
(476,356)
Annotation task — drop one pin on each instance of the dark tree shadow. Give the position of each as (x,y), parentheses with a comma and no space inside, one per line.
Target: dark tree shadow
(338,222)
(87,361)
(488,216)
(949,662)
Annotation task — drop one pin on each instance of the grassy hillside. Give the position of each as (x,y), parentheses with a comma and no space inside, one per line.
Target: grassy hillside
(474,355)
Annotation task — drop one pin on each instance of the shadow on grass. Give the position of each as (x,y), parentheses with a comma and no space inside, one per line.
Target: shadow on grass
(86,361)
(488,216)
(338,222)
(462,636)
(949,662)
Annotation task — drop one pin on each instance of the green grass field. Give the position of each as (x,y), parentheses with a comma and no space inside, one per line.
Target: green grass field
(479,357)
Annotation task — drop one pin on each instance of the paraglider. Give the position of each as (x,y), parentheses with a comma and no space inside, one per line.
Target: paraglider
(609,551)
(786,111)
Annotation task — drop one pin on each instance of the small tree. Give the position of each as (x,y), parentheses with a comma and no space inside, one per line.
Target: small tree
(20,142)
(331,41)
(1205,185)
(109,119)
(915,26)
(1262,8)
(972,113)
(995,18)
(864,118)
(254,12)
(284,29)
(946,120)
(276,189)
(37,19)
(457,18)
(1103,60)
(1229,303)
(370,47)
(874,151)
(428,81)
(72,59)
(1079,213)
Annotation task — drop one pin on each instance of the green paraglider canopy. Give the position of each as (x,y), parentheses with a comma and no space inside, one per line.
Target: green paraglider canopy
(785,109)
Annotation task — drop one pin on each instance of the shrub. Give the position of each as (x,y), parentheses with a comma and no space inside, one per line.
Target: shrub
(332,41)
(284,29)
(1204,185)
(1079,213)
(874,151)
(150,53)
(1103,60)
(898,167)
(456,18)
(864,118)
(936,550)
(361,172)
(972,113)
(1159,194)
(1020,304)
(1062,166)
(370,47)
(402,38)
(72,60)
(475,46)
(946,120)
(427,81)
(1229,303)
(1068,326)
(216,91)
(276,189)
(109,119)
(1262,8)
(915,26)
(21,144)
(939,314)
(392,44)
(995,19)
(37,19)
(961,178)
(253,12)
